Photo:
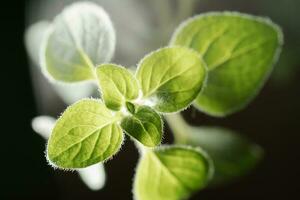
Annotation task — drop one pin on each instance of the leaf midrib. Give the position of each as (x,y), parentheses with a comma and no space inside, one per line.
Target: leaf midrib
(88,135)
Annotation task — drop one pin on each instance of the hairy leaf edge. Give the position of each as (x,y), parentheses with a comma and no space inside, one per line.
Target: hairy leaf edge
(171,47)
(264,20)
(53,165)
(211,169)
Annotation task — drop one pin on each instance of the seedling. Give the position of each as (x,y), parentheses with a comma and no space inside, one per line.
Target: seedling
(216,62)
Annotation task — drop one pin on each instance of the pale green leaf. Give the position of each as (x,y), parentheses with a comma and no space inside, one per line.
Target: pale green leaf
(171,78)
(81,37)
(239,50)
(145,125)
(171,173)
(69,93)
(94,176)
(233,155)
(85,134)
(117,85)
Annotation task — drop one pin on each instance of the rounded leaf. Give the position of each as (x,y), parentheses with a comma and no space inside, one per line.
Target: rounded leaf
(85,134)
(117,85)
(171,173)
(171,78)
(81,37)
(239,51)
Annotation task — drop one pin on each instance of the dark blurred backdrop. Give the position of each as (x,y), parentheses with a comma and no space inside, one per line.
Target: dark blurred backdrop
(272,120)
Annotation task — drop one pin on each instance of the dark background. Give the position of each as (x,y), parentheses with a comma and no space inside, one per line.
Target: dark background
(272,120)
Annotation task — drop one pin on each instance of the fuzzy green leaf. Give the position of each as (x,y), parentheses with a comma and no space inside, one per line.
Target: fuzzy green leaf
(171,78)
(239,50)
(81,37)
(171,173)
(145,125)
(85,134)
(117,85)
(233,155)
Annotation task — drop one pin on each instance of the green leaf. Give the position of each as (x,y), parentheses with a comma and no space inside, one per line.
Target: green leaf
(239,50)
(130,107)
(81,37)
(171,78)
(145,126)
(233,155)
(117,85)
(94,176)
(171,173)
(85,134)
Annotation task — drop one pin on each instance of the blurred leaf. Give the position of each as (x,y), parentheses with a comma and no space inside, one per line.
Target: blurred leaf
(81,37)
(171,173)
(69,93)
(117,85)
(43,125)
(93,176)
(145,125)
(239,50)
(85,134)
(233,155)
(34,36)
(171,78)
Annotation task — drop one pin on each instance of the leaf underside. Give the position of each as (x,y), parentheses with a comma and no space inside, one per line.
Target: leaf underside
(81,37)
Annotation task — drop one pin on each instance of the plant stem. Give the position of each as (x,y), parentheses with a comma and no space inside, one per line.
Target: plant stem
(178,126)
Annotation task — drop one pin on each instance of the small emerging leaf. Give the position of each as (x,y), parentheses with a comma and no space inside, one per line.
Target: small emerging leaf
(130,107)
(117,85)
(239,50)
(171,173)
(145,125)
(171,78)
(81,37)
(232,154)
(85,134)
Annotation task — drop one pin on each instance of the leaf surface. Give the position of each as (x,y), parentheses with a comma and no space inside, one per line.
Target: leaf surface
(85,134)
(239,50)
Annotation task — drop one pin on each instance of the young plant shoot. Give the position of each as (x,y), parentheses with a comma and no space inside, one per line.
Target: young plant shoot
(217,62)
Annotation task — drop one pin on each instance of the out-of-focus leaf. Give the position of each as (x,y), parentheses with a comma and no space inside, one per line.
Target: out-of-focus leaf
(81,37)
